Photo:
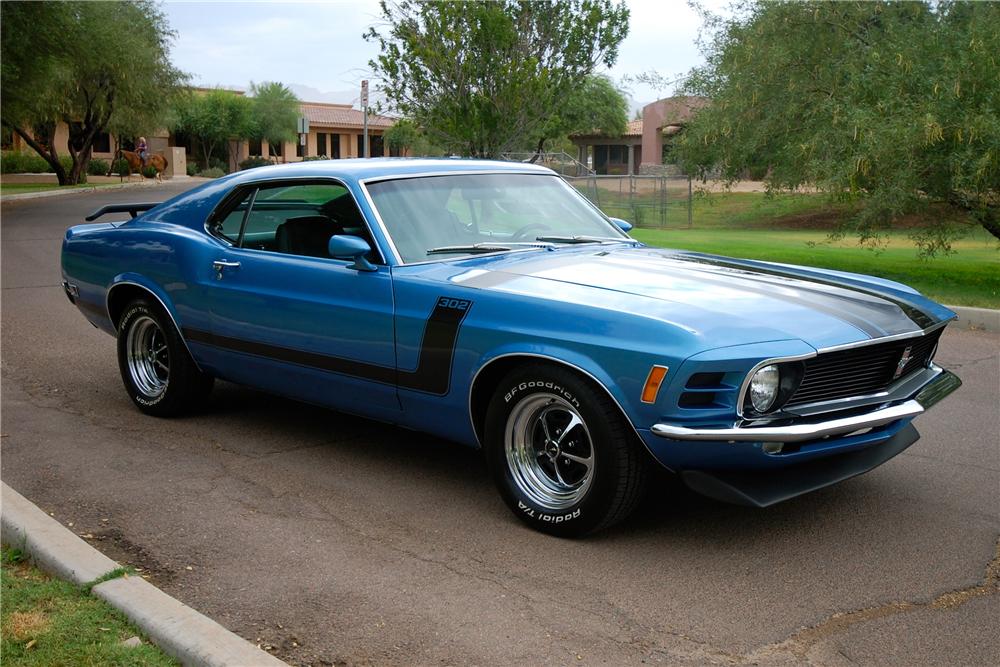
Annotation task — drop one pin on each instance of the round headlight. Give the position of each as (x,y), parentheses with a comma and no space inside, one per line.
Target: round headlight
(764,388)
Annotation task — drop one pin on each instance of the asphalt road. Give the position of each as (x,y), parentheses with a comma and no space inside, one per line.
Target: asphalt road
(340,541)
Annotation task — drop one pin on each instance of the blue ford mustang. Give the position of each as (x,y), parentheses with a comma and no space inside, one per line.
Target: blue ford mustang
(491,304)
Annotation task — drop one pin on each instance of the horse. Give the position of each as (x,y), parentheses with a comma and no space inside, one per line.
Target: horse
(134,162)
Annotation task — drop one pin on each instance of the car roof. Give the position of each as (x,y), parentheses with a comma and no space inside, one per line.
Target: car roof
(191,208)
(358,169)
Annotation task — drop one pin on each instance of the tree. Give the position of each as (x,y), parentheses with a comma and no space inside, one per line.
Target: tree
(896,104)
(483,77)
(87,64)
(596,105)
(213,119)
(275,112)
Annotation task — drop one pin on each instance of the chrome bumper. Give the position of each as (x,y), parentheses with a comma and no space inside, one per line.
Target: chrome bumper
(931,393)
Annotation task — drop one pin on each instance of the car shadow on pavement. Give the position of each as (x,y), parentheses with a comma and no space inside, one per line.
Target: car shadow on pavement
(277,426)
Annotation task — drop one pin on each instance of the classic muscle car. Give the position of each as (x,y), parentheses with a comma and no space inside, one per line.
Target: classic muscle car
(491,304)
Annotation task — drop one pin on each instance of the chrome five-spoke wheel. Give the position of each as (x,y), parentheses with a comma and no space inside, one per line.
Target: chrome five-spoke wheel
(560,452)
(159,374)
(148,356)
(549,451)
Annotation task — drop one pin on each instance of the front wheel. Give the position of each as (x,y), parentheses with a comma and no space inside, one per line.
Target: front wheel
(156,368)
(561,453)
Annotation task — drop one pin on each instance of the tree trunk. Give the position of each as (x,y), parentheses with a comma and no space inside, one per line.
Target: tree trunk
(983,212)
(989,218)
(538,151)
(50,155)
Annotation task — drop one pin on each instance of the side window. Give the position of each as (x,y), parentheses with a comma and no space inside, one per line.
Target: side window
(228,226)
(295,219)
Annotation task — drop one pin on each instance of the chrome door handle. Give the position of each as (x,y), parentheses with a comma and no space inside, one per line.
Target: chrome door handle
(220,264)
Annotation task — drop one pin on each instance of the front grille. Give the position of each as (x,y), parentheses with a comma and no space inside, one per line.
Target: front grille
(862,370)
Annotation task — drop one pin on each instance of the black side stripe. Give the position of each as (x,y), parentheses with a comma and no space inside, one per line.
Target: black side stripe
(433,372)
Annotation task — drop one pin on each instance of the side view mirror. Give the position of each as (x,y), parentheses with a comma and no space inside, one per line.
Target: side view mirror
(623,225)
(353,247)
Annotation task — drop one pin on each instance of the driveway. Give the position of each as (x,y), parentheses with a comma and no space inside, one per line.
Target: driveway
(337,540)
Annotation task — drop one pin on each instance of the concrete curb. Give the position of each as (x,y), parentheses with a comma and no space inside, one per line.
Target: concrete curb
(979,319)
(179,630)
(75,191)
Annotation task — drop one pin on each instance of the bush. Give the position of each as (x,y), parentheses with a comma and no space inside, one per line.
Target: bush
(212,172)
(97,167)
(192,169)
(149,171)
(253,162)
(315,157)
(16,162)
(221,165)
(120,166)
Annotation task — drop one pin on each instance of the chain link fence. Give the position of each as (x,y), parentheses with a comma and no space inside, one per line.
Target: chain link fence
(645,201)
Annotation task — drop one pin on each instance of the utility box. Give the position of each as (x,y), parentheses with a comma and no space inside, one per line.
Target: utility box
(176,162)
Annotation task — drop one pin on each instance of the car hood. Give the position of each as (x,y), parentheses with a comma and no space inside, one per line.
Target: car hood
(728,301)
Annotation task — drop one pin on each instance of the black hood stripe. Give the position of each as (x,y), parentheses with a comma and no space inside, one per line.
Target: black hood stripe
(920,318)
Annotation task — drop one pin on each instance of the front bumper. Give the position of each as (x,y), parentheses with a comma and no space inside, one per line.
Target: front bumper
(935,390)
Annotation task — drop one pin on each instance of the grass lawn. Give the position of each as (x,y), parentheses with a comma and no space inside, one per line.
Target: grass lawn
(795,229)
(44,621)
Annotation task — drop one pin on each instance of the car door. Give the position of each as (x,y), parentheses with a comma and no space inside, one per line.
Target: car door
(287,317)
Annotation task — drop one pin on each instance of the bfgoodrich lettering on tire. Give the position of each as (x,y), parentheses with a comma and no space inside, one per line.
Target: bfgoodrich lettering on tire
(560,452)
(159,374)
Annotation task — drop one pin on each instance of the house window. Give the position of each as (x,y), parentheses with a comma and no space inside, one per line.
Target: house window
(361,145)
(617,154)
(335,146)
(276,149)
(255,147)
(377,146)
(300,150)
(321,143)
(102,142)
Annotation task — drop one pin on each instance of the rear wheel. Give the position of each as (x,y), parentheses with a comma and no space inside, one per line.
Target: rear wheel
(561,453)
(158,373)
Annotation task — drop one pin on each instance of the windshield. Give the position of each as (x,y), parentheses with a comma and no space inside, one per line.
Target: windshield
(465,214)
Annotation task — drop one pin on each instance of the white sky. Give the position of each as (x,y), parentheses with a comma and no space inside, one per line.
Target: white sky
(317,47)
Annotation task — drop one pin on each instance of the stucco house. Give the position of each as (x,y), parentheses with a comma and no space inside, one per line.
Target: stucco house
(335,130)
(642,145)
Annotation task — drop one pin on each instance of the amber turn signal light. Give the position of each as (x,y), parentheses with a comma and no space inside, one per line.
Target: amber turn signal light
(653,382)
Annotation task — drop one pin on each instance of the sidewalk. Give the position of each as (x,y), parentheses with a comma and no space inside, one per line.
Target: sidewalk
(177,629)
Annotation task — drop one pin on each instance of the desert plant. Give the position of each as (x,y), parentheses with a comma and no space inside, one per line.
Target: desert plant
(211,172)
(254,161)
(97,167)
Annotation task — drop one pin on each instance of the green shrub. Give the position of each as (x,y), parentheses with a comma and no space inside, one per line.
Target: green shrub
(192,169)
(220,164)
(149,171)
(253,162)
(315,157)
(97,167)
(16,162)
(120,166)
(212,172)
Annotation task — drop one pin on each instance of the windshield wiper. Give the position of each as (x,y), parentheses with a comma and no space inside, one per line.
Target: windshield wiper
(581,239)
(473,248)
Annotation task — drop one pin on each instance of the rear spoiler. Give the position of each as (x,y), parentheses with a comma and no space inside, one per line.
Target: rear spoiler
(131,209)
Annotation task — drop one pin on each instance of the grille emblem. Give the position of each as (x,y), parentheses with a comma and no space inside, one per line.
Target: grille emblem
(905,359)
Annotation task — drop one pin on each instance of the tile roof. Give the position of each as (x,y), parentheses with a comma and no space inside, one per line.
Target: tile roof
(342,115)
(634,128)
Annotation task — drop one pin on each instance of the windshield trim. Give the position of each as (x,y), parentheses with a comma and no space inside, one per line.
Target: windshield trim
(363,184)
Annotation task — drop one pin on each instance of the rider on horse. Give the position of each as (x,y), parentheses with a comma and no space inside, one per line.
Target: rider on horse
(142,148)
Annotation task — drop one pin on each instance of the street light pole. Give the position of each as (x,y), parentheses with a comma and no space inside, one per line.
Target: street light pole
(364,110)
